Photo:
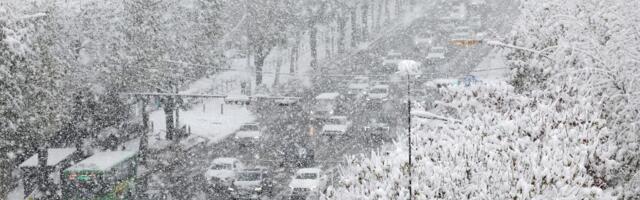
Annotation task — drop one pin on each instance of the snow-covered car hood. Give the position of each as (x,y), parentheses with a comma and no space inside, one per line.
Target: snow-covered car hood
(248,134)
(435,55)
(221,174)
(378,95)
(390,61)
(334,127)
(359,86)
(311,184)
(246,184)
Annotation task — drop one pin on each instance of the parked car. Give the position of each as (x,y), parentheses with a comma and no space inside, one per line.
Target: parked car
(252,183)
(336,126)
(248,134)
(222,172)
(307,183)
(392,59)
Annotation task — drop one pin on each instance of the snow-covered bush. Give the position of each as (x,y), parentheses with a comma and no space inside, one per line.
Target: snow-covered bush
(507,146)
(565,127)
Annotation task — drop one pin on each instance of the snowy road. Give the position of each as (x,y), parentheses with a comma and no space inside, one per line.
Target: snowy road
(288,126)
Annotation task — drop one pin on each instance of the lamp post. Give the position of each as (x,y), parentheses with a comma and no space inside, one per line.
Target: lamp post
(409,68)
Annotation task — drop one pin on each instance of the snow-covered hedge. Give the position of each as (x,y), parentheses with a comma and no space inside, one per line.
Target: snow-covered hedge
(508,146)
(565,127)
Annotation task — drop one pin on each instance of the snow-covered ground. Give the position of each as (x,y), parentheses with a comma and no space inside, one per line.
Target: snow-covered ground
(209,117)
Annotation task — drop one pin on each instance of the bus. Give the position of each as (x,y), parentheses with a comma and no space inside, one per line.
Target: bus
(103,176)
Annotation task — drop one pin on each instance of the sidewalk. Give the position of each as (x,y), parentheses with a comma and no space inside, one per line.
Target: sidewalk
(207,117)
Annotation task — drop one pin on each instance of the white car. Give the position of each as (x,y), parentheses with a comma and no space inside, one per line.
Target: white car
(222,171)
(377,130)
(336,125)
(392,58)
(252,183)
(358,86)
(248,133)
(307,183)
(378,93)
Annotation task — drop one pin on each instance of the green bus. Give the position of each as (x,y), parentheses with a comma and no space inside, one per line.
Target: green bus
(103,176)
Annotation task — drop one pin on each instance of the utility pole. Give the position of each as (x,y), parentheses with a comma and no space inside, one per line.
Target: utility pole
(409,132)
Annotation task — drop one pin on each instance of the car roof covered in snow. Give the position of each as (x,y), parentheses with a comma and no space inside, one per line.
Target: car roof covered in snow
(382,86)
(55,155)
(102,160)
(340,117)
(308,170)
(224,160)
(331,95)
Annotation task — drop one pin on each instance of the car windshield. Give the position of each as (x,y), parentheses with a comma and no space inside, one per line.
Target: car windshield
(378,91)
(221,166)
(249,176)
(307,176)
(249,127)
(334,121)
(437,50)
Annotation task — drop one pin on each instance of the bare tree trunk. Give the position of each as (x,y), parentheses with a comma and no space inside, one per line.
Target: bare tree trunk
(276,80)
(313,44)
(168,111)
(259,62)
(387,14)
(354,27)
(328,43)
(365,20)
(145,131)
(379,15)
(398,8)
(342,23)
(292,59)
(43,177)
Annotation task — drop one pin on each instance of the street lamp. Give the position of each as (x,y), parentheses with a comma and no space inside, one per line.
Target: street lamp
(409,68)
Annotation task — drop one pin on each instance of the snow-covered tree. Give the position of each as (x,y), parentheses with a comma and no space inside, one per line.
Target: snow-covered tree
(566,125)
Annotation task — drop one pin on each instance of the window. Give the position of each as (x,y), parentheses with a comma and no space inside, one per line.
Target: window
(379,91)
(249,127)
(221,166)
(249,176)
(309,176)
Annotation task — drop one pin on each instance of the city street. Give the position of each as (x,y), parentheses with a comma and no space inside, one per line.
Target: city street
(289,128)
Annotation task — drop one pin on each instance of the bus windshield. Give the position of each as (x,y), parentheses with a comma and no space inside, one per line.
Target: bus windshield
(85,188)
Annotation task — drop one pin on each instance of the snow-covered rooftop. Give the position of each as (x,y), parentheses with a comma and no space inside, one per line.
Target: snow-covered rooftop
(102,160)
(224,160)
(55,155)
